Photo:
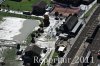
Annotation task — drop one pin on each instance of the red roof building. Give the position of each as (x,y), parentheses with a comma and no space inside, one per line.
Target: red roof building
(65,11)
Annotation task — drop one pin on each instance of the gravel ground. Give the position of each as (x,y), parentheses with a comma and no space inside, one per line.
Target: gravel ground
(28,27)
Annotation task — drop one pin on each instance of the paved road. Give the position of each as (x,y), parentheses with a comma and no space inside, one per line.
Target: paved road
(82,36)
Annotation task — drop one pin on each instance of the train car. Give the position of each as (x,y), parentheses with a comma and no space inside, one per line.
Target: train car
(69,24)
(90,39)
(76,29)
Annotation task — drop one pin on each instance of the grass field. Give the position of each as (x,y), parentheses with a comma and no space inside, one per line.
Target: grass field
(10,55)
(23,5)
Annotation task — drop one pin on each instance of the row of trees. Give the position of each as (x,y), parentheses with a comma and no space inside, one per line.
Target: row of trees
(7,7)
(58,16)
(37,33)
(45,23)
(4,6)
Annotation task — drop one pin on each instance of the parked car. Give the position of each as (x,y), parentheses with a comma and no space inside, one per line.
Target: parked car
(49,9)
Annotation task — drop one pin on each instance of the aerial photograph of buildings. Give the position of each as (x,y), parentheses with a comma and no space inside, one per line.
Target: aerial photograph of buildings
(49,32)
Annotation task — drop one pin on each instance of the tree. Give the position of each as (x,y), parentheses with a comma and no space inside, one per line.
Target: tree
(32,35)
(56,15)
(8,7)
(33,40)
(60,16)
(46,21)
(18,46)
(3,6)
(41,25)
(46,17)
(40,30)
(37,34)
(0,6)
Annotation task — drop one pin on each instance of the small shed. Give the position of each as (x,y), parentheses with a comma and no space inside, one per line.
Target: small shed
(32,53)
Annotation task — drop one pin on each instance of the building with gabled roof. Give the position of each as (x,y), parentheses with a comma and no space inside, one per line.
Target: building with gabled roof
(32,56)
(35,49)
(69,24)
